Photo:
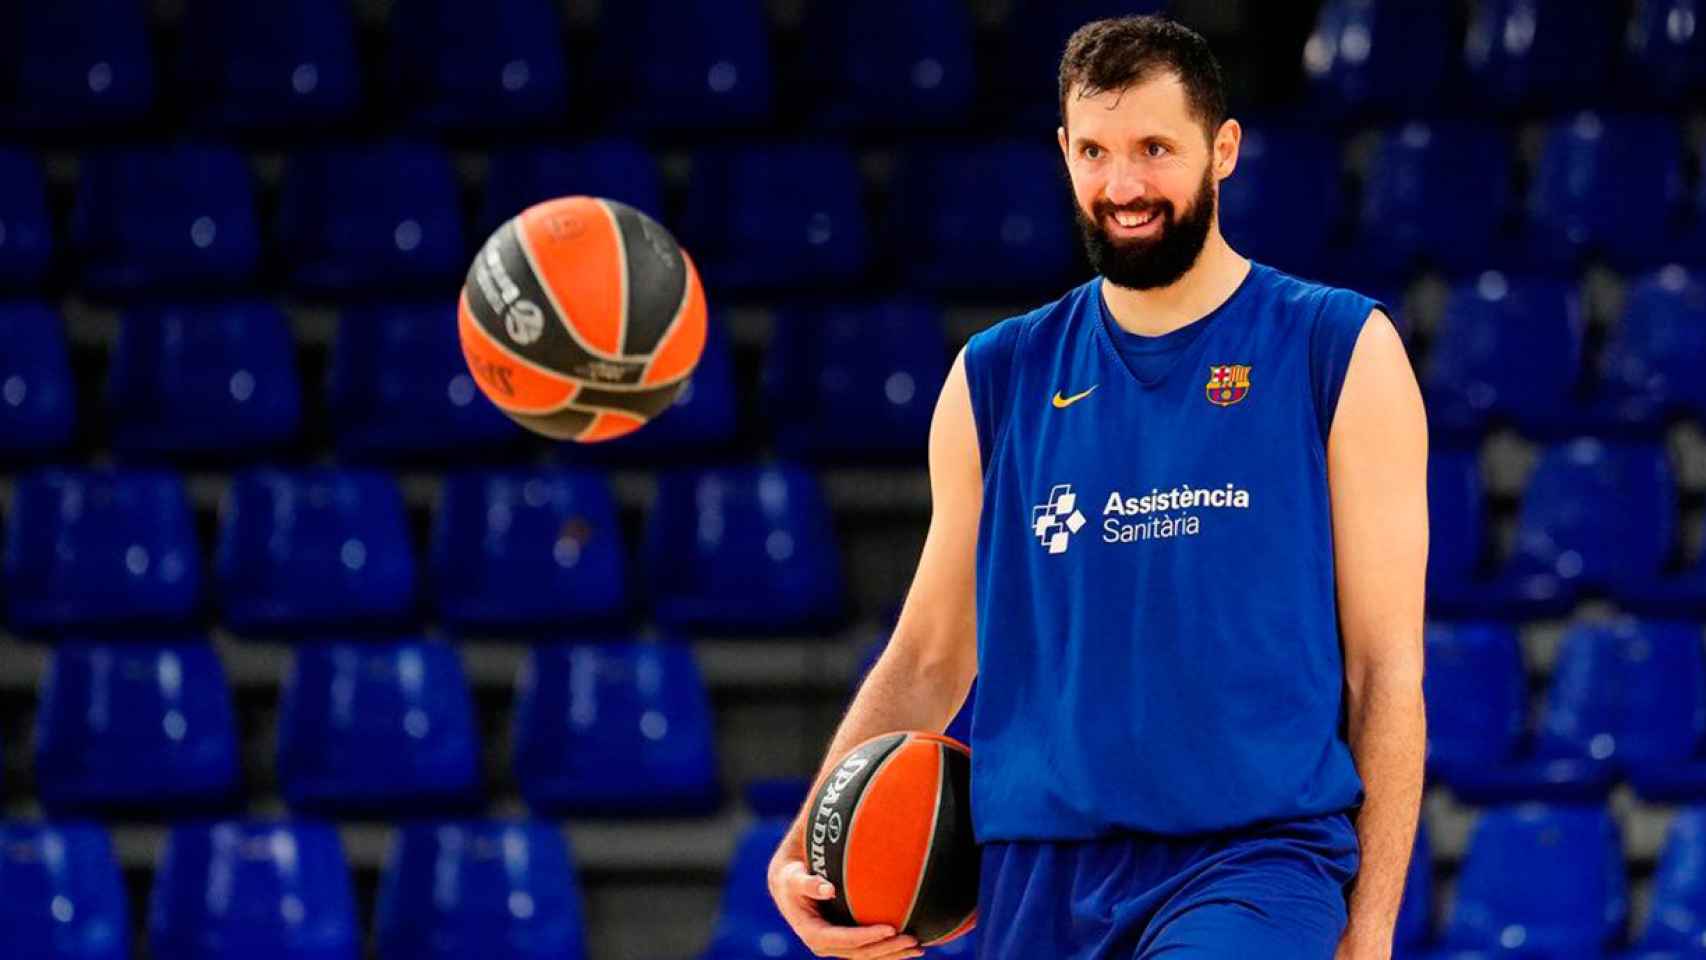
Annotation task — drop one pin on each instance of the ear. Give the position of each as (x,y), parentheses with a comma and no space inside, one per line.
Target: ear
(1226,142)
(1060,134)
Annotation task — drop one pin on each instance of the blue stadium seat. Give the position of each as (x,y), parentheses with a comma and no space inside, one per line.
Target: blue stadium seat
(615,729)
(748,923)
(1673,594)
(77,64)
(616,169)
(523,550)
(1476,695)
(381,219)
(1436,194)
(479,64)
(1414,932)
(100,549)
(1609,186)
(400,388)
(253,891)
(37,395)
(269,67)
(1649,369)
(377,728)
(891,67)
(1282,203)
(687,65)
(203,379)
(1533,55)
(1646,702)
(1676,921)
(855,383)
(176,219)
(64,897)
(700,424)
(1507,349)
(1664,53)
(138,726)
(1026,86)
(1457,529)
(1596,517)
(26,228)
(314,548)
(743,550)
(1379,57)
(987,219)
(480,890)
(1572,901)
(776,216)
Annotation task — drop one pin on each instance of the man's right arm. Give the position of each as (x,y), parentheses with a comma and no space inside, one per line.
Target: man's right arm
(925,671)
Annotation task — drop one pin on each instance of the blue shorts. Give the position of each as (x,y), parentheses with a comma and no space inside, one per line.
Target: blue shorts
(1276,891)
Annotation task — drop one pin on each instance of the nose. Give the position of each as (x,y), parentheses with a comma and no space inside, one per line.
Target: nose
(1125,184)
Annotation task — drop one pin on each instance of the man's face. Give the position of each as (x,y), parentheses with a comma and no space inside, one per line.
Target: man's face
(1144,180)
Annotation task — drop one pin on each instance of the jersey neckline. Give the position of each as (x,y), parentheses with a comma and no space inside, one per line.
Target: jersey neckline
(1195,330)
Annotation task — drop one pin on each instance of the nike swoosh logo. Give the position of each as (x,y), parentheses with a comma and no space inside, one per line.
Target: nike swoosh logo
(1061,402)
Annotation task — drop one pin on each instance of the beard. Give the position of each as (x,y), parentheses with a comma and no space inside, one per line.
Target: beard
(1148,262)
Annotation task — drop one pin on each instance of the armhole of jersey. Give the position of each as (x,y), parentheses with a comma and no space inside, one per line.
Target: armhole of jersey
(989,375)
(1343,316)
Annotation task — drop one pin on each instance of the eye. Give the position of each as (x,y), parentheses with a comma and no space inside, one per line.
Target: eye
(1156,149)
(1091,151)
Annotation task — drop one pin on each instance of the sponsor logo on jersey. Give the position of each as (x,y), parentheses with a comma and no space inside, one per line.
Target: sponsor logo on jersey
(1056,521)
(1228,383)
(1061,403)
(1156,515)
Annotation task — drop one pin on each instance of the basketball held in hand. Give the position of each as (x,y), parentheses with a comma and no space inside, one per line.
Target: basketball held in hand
(582,318)
(890,828)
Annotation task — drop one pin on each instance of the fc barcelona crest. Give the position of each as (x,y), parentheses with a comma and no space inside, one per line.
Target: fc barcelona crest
(1228,383)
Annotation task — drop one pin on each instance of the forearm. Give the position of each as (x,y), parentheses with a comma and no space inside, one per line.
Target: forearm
(1388,735)
(899,693)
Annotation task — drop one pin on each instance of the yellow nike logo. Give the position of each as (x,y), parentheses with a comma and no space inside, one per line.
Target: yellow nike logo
(1060,401)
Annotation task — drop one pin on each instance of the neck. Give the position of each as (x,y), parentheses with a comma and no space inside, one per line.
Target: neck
(1206,285)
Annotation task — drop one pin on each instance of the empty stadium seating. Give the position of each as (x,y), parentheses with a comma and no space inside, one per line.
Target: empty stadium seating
(26,233)
(478,65)
(64,896)
(284,68)
(613,168)
(203,380)
(314,548)
(1647,370)
(1378,58)
(377,729)
(850,384)
(614,729)
(37,395)
(399,389)
(1524,55)
(1666,51)
(892,67)
(1610,185)
(100,549)
(78,65)
(253,890)
(745,549)
(1437,194)
(136,726)
(1572,901)
(702,65)
(1676,921)
(748,923)
(1477,698)
(472,890)
(519,550)
(1282,205)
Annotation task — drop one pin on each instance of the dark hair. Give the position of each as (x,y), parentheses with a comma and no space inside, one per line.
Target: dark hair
(1114,54)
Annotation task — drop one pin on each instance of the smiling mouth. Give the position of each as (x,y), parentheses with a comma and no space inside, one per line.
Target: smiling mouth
(1130,220)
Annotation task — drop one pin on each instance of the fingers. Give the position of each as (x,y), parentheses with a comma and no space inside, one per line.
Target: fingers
(800,882)
(801,892)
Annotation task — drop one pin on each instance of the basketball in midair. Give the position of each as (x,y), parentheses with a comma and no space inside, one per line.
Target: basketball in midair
(581,318)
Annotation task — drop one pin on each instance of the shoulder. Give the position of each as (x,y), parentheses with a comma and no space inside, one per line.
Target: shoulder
(1313,306)
(1007,337)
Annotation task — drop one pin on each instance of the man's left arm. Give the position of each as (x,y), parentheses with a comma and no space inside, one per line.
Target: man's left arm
(1377,452)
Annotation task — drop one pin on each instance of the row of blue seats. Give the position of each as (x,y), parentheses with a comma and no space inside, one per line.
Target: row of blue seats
(384,727)
(145,726)
(1625,702)
(984,218)
(707,64)
(280,890)
(739,550)
(839,383)
(1596,519)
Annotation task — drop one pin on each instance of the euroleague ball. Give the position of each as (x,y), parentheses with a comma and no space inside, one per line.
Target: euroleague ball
(890,828)
(581,318)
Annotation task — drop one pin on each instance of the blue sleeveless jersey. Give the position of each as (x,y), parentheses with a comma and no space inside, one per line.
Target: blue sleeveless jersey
(1157,628)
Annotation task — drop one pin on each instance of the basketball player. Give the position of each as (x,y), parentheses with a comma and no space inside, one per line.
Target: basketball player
(1179,530)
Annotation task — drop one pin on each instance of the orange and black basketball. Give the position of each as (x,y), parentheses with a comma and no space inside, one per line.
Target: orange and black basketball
(582,318)
(891,829)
